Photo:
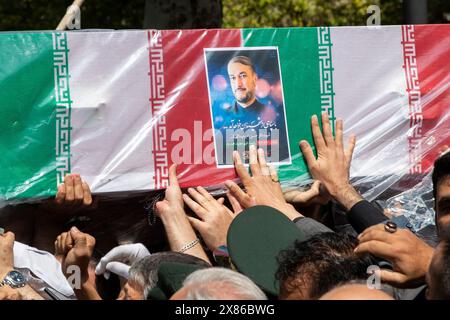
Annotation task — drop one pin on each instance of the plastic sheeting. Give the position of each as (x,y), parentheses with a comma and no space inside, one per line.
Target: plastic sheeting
(118,107)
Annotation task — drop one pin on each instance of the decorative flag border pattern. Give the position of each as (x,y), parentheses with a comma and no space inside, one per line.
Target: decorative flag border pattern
(63,105)
(414,98)
(157,99)
(326,73)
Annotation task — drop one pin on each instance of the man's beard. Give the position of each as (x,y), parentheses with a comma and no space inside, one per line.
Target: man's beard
(248,96)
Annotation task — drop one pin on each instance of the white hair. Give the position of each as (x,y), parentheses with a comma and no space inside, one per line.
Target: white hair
(221,284)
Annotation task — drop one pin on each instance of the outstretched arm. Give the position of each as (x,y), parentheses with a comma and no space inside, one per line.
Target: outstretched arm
(180,233)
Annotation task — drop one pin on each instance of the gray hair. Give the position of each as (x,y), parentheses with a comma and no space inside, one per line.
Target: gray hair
(221,284)
(143,274)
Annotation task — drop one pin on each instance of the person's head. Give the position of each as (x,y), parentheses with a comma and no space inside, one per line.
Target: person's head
(441,190)
(355,291)
(143,274)
(108,289)
(312,267)
(243,79)
(218,284)
(438,276)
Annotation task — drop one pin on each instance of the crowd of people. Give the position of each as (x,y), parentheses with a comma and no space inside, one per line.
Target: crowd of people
(256,244)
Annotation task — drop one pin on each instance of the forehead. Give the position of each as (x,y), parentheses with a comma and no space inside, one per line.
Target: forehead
(236,68)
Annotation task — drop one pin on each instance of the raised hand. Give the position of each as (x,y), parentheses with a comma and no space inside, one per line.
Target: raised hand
(215,218)
(332,165)
(313,196)
(79,248)
(262,187)
(409,255)
(74,192)
(178,228)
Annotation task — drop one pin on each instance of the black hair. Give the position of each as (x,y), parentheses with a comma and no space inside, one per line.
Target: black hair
(440,171)
(108,289)
(318,264)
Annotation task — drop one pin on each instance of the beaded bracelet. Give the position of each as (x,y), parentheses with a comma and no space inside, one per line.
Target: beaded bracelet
(190,245)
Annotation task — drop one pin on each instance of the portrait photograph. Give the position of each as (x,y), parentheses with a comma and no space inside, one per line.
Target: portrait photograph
(247,103)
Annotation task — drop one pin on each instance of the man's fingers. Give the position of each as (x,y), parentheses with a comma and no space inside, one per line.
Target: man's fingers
(307,153)
(67,240)
(197,224)
(273,173)
(350,148)
(237,208)
(87,195)
(327,132)
(212,204)
(339,134)
(243,198)
(261,157)
(9,237)
(173,181)
(79,238)
(290,195)
(300,197)
(262,163)
(160,206)
(221,200)
(241,170)
(198,209)
(377,248)
(378,235)
(61,194)
(70,191)
(315,187)
(305,196)
(317,134)
(198,197)
(379,226)
(78,188)
(391,277)
(62,244)
(254,165)
(205,194)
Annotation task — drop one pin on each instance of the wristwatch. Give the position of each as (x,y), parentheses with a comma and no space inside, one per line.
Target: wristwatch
(14,279)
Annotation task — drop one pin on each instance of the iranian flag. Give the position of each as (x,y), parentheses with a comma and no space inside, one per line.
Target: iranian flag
(120,107)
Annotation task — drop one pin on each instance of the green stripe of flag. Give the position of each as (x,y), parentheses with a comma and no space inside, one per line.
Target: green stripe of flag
(27,115)
(306,81)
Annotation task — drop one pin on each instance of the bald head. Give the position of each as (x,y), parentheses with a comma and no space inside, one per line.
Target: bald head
(355,292)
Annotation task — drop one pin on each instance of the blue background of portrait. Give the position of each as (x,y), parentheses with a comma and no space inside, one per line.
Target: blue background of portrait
(266,66)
